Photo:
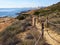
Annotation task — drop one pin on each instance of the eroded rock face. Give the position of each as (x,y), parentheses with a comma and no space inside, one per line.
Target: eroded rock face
(5,22)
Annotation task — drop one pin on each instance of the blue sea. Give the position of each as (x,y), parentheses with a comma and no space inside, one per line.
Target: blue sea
(12,12)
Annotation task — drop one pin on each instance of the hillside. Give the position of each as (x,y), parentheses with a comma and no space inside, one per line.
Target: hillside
(5,22)
(19,30)
(20,33)
(52,12)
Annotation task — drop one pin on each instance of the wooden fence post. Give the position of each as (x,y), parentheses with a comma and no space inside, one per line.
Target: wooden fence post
(33,21)
(42,29)
(47,25)
(36,21)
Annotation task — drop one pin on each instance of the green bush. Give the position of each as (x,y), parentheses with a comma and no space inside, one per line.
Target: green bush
(20,17)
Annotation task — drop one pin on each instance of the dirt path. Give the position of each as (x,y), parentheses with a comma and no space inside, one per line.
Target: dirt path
(50,36)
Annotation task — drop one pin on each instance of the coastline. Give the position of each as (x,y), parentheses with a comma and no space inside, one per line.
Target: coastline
(12,12)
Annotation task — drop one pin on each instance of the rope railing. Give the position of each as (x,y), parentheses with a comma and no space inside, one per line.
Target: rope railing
(53,24)
(49,23)
(38,39)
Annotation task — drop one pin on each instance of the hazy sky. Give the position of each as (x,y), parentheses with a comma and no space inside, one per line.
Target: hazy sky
(26,3)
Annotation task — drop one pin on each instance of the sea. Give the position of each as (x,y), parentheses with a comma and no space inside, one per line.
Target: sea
(12,12)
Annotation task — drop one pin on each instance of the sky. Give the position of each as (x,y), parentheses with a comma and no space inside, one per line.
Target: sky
(26,3)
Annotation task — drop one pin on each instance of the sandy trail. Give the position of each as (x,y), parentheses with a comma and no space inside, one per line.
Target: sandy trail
(50,36)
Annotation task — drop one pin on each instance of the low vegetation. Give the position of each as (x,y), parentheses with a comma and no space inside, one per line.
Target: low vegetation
(18,34)
(9,36)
